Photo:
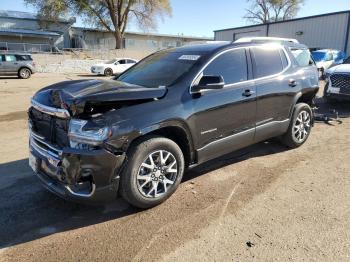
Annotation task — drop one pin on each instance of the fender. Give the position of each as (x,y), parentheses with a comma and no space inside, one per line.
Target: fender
(124,141)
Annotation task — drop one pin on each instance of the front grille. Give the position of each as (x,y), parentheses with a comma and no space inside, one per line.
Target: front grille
(52,128)
(340,80)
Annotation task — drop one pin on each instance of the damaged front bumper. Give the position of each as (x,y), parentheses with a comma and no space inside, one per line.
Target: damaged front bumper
(74,174)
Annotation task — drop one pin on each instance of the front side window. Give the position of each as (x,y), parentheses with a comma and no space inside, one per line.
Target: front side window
(122,62)
(231,65)
(267,61)
(160,69)
(302,56)
(10,58)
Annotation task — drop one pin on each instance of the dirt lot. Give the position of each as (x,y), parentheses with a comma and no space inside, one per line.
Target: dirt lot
(262,203)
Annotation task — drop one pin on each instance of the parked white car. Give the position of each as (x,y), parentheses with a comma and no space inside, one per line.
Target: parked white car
(113,67)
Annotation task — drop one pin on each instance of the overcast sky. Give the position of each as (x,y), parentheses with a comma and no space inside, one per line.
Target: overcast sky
(201,17)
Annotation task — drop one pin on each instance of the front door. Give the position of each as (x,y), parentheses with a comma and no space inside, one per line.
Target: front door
(10,64)
(224,119)
(2,68)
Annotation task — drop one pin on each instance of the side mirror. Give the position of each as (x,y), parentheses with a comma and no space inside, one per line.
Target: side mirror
(209,82)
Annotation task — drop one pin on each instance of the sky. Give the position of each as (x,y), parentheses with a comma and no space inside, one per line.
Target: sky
(202,17)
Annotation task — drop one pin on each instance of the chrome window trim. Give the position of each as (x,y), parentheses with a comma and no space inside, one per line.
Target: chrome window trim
(243,82)
(59,112)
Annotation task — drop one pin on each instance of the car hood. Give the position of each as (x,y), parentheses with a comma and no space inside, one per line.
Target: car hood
(74,95)
(344,68)
(99,65)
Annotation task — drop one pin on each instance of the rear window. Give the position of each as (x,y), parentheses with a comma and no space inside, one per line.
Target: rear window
(267,61)
(302,56)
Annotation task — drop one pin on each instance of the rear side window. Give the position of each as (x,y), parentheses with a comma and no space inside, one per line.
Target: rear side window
(267,61)
(302,56)
(23,58)
(10,58)
(231,65)
(131,61)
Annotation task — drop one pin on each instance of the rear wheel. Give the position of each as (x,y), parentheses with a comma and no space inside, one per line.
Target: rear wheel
(108,72)
(299,127)
(154,171)
(24,73)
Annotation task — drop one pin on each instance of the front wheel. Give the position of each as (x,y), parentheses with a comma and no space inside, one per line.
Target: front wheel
(154,171)
(108,72)
(300,126)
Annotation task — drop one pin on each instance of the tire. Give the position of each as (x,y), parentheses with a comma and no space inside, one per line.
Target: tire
(142,184)
(24,73)
(108,72)
(302,113)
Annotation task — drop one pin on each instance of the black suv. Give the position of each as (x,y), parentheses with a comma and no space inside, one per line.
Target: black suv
(136,135)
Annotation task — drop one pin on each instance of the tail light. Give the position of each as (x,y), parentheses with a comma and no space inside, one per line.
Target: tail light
(33,63)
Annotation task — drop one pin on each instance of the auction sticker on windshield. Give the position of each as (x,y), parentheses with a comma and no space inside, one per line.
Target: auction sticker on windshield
(189,57)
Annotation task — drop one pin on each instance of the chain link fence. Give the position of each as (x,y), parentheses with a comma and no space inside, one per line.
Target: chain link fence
(25,47)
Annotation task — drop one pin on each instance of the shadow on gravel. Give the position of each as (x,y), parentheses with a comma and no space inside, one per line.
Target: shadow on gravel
(333,109)
(9,77)
(29,212)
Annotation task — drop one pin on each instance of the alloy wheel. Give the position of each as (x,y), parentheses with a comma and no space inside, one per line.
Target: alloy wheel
(24,73)
(302,126)
(157,174)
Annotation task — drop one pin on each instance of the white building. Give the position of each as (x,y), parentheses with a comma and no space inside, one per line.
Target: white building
(320,31)
(22,31)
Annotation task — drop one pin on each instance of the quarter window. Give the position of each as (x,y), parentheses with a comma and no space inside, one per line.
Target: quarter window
(231,65)
(302,56)
(267,61)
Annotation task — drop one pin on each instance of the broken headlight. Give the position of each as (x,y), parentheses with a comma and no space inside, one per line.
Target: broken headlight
(80,132)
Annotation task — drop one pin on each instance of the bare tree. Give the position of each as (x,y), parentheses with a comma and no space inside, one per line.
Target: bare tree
(112,15)
(265,11)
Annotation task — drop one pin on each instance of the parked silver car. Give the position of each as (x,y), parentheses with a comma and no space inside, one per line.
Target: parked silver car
(17,64)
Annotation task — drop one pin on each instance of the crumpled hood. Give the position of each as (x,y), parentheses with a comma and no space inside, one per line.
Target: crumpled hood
(343,68)
(73,95)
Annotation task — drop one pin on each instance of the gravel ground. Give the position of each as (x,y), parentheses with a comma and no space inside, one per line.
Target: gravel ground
(262,203)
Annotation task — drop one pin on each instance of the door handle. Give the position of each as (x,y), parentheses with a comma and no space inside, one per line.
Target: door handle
(247,93)
(292,83)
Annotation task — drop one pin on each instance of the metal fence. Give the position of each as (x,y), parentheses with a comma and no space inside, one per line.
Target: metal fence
(25,47)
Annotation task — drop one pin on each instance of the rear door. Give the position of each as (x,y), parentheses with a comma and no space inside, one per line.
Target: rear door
(276,86)
(225,119)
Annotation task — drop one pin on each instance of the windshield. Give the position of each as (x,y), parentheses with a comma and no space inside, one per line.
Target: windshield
(319,56)
(160,69)
(111,61)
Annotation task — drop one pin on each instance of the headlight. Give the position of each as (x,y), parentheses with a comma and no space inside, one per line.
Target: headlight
(91,136)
